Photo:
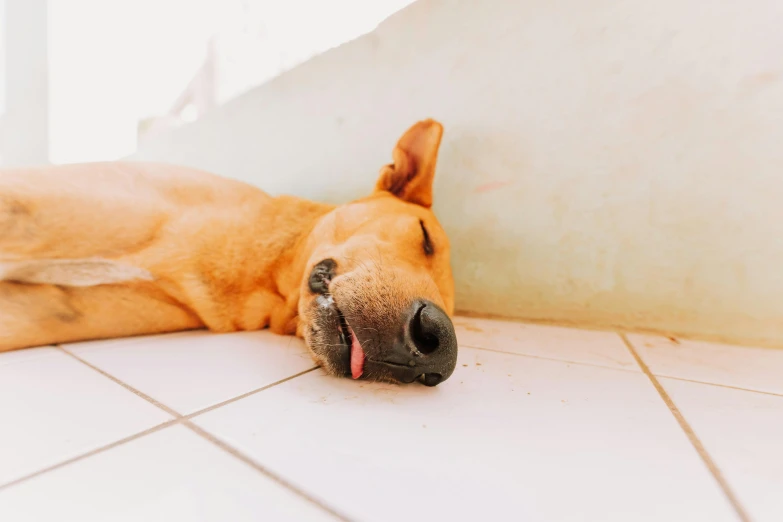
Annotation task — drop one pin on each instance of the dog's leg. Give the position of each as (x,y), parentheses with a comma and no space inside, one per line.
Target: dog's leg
(76,230)
(37,315)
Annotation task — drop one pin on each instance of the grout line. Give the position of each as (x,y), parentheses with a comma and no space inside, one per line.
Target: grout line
(542,357)
(128,387)
(718,385)
(261,469)
(247,394)
(692,437)
(90,453)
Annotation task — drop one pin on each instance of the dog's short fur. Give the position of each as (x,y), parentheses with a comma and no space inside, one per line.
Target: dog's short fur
(118,249)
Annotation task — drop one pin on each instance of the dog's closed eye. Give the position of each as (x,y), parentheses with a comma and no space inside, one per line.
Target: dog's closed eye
(427,243)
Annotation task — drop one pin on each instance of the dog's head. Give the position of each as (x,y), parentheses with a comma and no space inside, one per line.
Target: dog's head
(378,291)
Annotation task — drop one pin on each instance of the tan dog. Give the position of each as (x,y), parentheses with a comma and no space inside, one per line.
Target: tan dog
(118,249)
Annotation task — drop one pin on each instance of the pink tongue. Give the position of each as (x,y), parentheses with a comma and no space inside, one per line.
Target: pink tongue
(357,357)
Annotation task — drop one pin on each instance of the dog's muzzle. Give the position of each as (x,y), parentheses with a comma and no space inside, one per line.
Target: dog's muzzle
(418,344)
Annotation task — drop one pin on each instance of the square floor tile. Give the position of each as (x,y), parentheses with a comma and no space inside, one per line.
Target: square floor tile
(506,438)
(743,432)
(194,370)
(52,408)
(555,342)
(166,476)
(744,367)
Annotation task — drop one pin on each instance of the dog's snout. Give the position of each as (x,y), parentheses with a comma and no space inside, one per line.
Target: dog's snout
(428,351)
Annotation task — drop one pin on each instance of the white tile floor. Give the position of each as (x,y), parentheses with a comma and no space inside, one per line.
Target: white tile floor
(537,423)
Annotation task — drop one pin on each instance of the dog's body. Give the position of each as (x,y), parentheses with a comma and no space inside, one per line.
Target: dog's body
(170,248)
(118,249)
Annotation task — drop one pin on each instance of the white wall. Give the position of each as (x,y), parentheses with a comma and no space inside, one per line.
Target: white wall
(24,127)
(605,162)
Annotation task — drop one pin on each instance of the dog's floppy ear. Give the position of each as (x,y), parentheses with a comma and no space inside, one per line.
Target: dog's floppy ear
(410,176)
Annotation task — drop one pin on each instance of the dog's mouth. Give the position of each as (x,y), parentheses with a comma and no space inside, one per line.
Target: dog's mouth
(356,355)
(351,353)
(333,331)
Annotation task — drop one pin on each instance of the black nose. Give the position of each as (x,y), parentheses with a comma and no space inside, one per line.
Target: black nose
(428,326)
(428,348)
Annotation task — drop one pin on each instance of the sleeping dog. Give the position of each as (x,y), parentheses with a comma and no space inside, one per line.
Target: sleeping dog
(118,249)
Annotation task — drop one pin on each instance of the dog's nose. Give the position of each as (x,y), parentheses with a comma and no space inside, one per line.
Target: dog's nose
(428,350)
(429,327)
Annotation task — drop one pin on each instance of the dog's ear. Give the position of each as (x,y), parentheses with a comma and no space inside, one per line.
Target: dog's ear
(410,176)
